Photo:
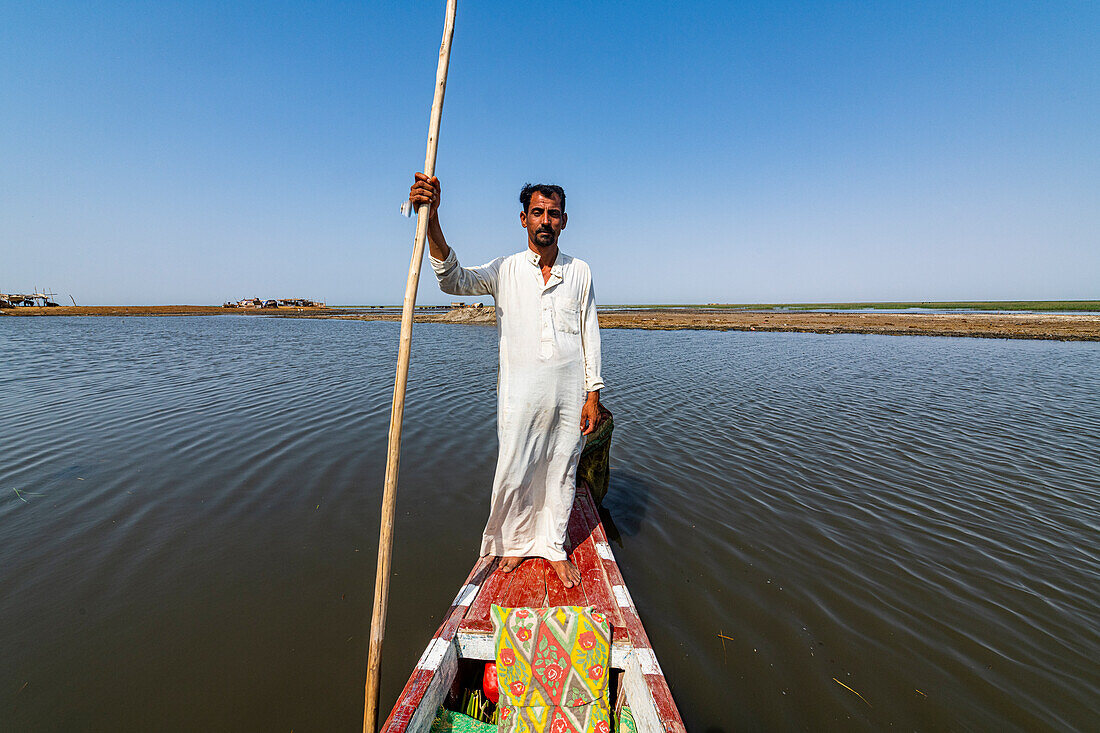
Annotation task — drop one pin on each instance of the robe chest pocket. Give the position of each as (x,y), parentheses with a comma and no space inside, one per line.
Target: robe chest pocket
(567,317)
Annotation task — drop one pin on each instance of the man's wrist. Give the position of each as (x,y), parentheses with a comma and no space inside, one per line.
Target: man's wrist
(593,397)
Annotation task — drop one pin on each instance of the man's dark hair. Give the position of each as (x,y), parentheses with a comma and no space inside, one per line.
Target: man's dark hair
(546,189)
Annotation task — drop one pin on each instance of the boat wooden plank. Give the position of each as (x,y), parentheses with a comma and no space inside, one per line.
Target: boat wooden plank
(476,582)
(558,595)
(594,580)
(477,627)
(436,691)
(577,546)
(636,693)
(408,701)
(593,567)
(619,633)
(528,588)
(493,588)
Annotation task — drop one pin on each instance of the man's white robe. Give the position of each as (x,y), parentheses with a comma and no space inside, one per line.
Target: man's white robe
(549,359)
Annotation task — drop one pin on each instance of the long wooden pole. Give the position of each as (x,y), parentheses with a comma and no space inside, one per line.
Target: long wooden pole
(393,455)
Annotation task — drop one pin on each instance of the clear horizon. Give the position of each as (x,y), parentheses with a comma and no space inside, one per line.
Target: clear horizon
(758,153)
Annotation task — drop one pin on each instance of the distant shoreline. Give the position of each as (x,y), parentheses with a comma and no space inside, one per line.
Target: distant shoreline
(1081,326)
(949,305)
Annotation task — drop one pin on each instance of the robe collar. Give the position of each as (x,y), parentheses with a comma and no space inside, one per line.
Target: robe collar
(556,270)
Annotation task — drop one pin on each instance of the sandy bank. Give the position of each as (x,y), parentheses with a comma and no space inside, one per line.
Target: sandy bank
(1055,326)
(1064,327)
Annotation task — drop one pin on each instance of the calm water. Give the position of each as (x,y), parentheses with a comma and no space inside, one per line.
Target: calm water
(190,505)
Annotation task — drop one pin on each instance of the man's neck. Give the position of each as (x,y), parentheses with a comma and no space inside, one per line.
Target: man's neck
(547,255)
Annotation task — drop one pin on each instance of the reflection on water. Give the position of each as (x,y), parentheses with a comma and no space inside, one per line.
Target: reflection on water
(191,507)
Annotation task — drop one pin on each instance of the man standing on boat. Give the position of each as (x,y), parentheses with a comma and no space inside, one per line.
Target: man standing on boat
(549,380)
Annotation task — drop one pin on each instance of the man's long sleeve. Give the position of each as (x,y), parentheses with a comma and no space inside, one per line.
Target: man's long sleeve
(457,280)
(590,341)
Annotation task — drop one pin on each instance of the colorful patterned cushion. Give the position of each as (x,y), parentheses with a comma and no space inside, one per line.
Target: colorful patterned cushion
(552,669)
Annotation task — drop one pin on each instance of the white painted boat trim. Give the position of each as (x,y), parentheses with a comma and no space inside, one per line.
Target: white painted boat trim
(647,660)
(433,655)
(466,595)
(622,596)
(475,646)
(421,721)
(604,550)
(472,645)
(642,705)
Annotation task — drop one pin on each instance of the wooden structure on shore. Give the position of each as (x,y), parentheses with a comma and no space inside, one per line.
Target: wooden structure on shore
(274,303)
(16,300)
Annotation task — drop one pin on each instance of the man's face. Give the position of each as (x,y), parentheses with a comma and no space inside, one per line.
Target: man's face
(543,220)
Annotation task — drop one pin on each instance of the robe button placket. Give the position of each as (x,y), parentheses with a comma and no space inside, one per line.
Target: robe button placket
(547,324)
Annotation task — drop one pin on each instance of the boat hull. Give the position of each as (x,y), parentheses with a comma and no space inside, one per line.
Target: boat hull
(467,633)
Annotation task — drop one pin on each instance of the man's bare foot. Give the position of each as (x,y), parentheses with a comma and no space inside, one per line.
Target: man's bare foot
(567,572)
(509,564)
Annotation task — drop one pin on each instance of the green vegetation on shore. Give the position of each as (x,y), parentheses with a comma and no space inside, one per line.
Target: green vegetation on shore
(978,305)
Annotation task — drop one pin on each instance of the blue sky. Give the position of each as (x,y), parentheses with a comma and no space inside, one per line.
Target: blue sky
(194,152)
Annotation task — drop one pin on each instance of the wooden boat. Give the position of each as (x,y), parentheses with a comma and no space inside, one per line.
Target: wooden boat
(455,656)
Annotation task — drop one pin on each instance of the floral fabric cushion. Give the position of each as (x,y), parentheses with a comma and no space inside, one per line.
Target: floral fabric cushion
(552,669)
